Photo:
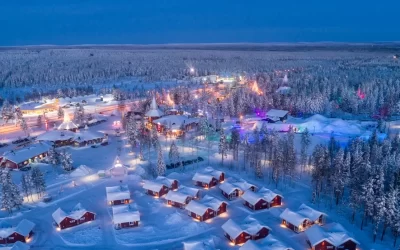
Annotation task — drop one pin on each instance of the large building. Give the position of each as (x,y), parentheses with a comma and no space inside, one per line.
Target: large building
(19,158)
(77,216)
(35,108)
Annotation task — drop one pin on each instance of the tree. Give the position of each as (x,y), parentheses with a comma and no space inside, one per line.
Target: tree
(66,160)
(38,181)
(24,127)
(161,169)
(54,157)
(173,153)
(79,114)
(204,127)
(234,143)
(305,143)
(10,194)
(60,113)
(132,131)
(391,210)
(26,185)
(39,122)
(222,147)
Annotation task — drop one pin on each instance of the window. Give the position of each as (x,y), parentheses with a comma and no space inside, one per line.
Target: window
(72,221)
(83,218)
(10,238)
(329,247)
(131,223)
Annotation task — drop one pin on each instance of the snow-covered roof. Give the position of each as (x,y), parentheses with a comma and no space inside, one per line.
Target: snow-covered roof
(124,213)
(228,187)
(153,186)
(67,125)
(88,135)
(243,185)
(56,135)
(177,197)
(268,242)
(36,105)
(334,233)
(25,153)
(213,172)
(276,113)
(265,194)
(199,245)
(175,121)
(154,111)
(18,245)
(204,178)
(309,212)
(76,213)
(118,193)
(249,225)
(6,231)
(200,207)
(24,227)
(293,217)
(166,181)
(192,192)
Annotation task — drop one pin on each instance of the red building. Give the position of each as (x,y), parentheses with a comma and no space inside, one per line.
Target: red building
(262,199)
(302,219)
(77,216)
(219,175)
(249,229)
(204,180)
(155,188)
(118,195)
(206,208)
(235,189)
(21,157)
(178,199)
(172,184)
(22,232)
(124,217)
(332,236)
(192,192)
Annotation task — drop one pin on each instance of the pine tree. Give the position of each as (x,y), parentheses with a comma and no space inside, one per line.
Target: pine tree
(24,127)
(66,160)
(60,113)
(161,169)
(132,131)
(391,209)
(367,197)
(173,153)
(379,200)
(154,137)
(39,122)
(10,194)
(38,181)
(53,157)
(222,146)
(26,185)
(204,127)
(234,143)
(305,143)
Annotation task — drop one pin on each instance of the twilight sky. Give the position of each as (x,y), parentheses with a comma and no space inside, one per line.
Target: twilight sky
(64,22)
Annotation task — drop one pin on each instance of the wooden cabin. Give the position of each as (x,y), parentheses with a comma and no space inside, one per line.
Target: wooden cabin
(75,217)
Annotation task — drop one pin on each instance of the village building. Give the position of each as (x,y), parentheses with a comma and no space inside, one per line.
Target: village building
(275,115)
(262,199)
(248,229)
(22,232)
(219,175)
(206,208)
(57,138)
(118,169)
(269,242)
(175,125)
(177,199)
(155,189)
(86,137)
(125,216)
(67,124)
(77,216)
(302,219)
(192,192)
(200,245)
(154,112)
(117,195)
(235,189)
(204,180)
(172,184)
(332,236)
(21,157)
(16,246)
(38,108)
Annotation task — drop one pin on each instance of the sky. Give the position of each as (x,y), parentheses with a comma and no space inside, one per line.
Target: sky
(73,22)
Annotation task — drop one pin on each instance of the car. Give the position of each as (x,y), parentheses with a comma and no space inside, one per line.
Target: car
(47,198)
(104,143)
(26,168)
(95,146)
(3,145)
(200,158)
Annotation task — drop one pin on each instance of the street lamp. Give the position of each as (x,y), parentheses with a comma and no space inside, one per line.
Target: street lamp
(191,70)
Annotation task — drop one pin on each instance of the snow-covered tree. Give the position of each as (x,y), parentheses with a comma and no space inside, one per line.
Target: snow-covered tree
(60,113)
(161,168)
(391,209)
(222,146)
(305,143)
(38,181)
(79,114)
(27,185)
(173,153)
(54,157)
(10,194)
(24,127)
(66,160)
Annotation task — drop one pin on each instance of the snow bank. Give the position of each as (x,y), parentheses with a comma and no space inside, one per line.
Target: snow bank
(173,219)
(82,170)
(83,235)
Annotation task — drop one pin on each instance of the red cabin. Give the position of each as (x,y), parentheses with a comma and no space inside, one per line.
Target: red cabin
(219,175)
(172,184)
(235,189)
(155,189)
(18,158)
(303,218)
(77,216)
(325,237)
(118,195)
(204,180)
(178,199)
(206,208)
(249,229)
(124,217)
(262,199)
(22,232)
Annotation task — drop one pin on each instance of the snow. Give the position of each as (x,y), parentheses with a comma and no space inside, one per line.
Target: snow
(253,197)
(227,187)
(166,181)
(334,233)
(56,135)
(7,231)
(276,113)
(87,135)
(118,193)
(204,178)
(16,246)
(192,192)
(199,245)
(154,111)
(177,197)
(175,121)
(230,187)
(76,213)
(80,171)
(35,105)
(20,155)
(67,125)
(24,227)
(86,234)
(59,215)
(293,217)
(232,228)
(153,186)
(309,212)
(248,225)
(201,206)
(269,242)
(216,173)
(124,213)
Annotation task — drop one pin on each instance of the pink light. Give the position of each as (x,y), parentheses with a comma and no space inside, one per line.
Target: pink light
(360,94)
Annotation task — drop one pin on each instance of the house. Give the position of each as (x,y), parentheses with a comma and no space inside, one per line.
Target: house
(275,115)
(175,125)
(219,175)
(118,169)
(268,242)
(249,229)
(204,180)
(302,219)
(155,188)
(172,184)
(57,138)
(38,108)
(235,189)
(18,158)
(17,246)
(331,236)
(192,192)
(262,199)
(87,137)
(67,124)
(206,208)
(22,232)
(125,216)
(177,199)
(154,112)
(117,195)
(78,215)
